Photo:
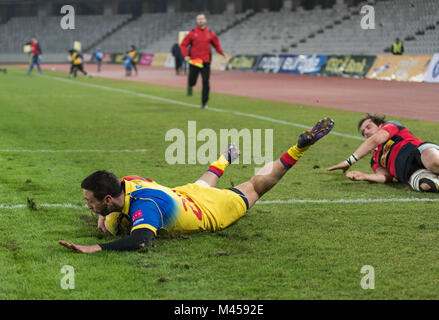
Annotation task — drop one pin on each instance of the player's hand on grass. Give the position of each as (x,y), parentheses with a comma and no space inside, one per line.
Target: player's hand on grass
(341,166)
(356,175)
(80,249)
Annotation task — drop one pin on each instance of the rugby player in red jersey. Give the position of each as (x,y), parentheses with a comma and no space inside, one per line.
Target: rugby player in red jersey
(397,153)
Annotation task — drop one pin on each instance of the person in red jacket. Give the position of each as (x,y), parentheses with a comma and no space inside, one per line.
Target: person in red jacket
(199,58)
(35,55)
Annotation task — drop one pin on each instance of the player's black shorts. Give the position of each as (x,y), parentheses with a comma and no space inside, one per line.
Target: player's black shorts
(412,162)
(243,197)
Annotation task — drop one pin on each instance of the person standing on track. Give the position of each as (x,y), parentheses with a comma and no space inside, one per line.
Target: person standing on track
(35,52)
(77,64)
(134,58)
(178,57)
(199,40)
(99,54)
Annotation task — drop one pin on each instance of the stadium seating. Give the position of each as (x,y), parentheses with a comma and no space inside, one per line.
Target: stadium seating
(274,32)
(146,29)
(406,19)
(327,31)
(156,32)
(216,22)
(53,39)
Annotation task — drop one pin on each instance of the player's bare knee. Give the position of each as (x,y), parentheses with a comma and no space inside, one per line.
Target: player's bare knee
(430,159)
(435,165)
(247,188)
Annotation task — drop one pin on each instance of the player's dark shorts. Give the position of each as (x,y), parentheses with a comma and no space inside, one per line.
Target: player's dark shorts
(76,67)
(243,197)
(409,160)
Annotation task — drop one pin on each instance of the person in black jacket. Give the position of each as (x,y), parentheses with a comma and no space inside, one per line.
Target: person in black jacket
(176,52)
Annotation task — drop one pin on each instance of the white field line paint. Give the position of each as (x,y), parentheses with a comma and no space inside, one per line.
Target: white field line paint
(297,201)
(72,151)
(243,114)
(260,202)
(44,205)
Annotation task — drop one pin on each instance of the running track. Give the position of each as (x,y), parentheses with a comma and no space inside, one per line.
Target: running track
(399,99)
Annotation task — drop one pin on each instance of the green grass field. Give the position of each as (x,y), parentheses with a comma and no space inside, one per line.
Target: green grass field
(277,251)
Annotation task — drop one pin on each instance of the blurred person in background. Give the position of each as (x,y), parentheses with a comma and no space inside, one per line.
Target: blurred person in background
(134,59)
(178,57)
(397,47)
(77,64)
(99,54)
(200,39)
(35,52)
(128,64)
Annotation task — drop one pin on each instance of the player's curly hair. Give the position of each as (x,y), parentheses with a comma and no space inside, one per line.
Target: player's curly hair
(376,118)
(102,183)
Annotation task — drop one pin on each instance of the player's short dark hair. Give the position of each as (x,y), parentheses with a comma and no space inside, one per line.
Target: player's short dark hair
(376,118)
(102,183)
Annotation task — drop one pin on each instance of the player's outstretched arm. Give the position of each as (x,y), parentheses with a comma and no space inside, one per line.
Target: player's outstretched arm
(80,249)
(138,239)
(364,149)
(380,176)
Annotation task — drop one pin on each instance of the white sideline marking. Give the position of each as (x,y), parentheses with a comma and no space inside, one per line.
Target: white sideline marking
(72,151)
(298,201)
(260,202)
(243,114)
(44,205)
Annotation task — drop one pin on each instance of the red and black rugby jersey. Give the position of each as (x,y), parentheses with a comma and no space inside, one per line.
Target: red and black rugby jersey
(394,153)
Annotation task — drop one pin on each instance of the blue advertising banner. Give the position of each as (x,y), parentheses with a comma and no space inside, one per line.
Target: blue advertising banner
(302,64)
(269,63)
(288,63)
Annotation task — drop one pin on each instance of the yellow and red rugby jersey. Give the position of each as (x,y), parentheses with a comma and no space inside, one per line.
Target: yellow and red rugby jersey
(153,206)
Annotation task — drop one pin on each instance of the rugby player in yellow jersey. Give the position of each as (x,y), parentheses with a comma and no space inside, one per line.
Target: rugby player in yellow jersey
(134,58)
(77,64)
(193,207)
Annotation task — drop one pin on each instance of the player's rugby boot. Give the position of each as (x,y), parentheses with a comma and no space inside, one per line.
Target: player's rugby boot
(321,129)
